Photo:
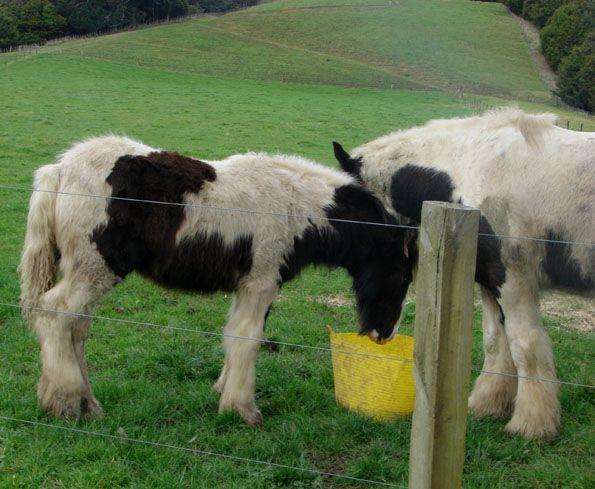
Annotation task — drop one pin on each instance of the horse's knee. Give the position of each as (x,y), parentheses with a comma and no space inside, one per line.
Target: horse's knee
(532,353)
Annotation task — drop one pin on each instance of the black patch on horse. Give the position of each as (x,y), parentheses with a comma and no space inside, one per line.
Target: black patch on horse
(142,236)
(489,269)
(373,255)
(562,270)
(411,185)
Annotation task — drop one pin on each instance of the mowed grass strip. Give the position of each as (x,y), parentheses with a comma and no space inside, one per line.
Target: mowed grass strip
(156,384)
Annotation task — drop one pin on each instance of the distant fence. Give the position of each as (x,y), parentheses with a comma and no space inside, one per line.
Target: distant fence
(473,102)
(478,106)
(34,48)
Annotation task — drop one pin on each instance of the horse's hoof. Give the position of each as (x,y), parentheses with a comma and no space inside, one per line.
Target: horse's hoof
(61,402)
(90,408)
(253,418)
(532,429)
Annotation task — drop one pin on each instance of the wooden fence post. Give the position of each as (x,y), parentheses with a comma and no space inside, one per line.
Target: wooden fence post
(443,335)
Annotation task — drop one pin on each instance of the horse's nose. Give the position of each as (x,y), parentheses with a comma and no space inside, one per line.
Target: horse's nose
(374,336)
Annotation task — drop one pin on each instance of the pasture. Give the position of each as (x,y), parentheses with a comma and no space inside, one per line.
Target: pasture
(202,88)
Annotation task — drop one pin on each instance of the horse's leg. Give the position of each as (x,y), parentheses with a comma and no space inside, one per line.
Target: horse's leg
(493,395)
(63,388)
(237,381)
(537,407)
(220,384)
(80,334)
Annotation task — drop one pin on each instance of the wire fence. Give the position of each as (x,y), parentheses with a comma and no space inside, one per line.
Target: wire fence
(283,214)
(208,333)
(185,329)
(278,343)
(35,48)
(472,101)
(195,451)
(476,105)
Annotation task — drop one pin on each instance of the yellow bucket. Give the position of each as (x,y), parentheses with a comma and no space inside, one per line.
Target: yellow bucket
(373,379)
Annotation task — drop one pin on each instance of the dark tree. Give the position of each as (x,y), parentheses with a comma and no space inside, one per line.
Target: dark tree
(576,81)
(539,11)
(567,28)
(37,21)
(515,5)
(224,5)
(9,34)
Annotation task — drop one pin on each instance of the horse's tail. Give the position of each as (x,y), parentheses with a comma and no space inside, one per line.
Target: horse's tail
(40,253)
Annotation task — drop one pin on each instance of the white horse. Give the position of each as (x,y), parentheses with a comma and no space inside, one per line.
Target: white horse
(164,220)
(529,178)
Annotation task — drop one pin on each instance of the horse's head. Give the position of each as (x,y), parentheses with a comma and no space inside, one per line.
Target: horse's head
(381,287)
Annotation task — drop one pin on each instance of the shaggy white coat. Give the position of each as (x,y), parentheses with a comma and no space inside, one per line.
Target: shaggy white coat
(528,177)
(280,186)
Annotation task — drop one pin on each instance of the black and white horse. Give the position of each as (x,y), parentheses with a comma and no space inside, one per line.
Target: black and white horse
(529,179)
(78,247)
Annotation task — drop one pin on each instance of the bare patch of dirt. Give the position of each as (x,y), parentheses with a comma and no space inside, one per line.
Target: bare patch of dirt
(335,300)
(531,34)
(569,310)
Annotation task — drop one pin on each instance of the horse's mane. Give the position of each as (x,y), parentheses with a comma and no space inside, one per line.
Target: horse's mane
(531,126)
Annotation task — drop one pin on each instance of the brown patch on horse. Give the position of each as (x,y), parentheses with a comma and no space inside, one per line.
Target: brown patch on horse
(145,216)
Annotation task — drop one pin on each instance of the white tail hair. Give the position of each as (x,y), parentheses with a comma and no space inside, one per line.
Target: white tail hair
(38,262)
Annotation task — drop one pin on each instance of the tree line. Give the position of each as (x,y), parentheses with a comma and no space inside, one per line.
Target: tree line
(567,31)
(37,21)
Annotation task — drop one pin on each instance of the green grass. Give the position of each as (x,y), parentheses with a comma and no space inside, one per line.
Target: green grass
(423,45)
(155,384)
(417,44)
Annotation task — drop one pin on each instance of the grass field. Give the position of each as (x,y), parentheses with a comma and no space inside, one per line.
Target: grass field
(417,44)
(155,384)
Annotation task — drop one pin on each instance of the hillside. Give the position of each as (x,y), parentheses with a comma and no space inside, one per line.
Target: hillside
(422,44)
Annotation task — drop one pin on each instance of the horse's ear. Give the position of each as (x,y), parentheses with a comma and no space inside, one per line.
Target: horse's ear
(348,164)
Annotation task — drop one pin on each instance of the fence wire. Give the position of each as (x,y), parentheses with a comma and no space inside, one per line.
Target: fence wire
(196,451)
(214,208)
(281,214)
(281,343)
(208,333)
